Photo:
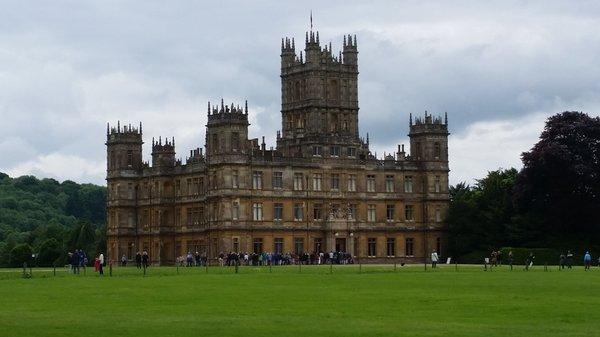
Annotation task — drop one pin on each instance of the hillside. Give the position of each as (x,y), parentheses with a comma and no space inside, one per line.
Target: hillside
(49,218)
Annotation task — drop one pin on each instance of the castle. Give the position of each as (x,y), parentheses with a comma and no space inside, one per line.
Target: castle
(321,189)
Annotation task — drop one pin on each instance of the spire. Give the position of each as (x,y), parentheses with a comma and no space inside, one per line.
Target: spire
(246,107)
(306,38)
(118,126)
(311,21)
(140,128)
(293,44)
(446,118)
(354,40)
(152,141)
(367,138)
(317,37)
(344,41)
(209,107)
(281,44)
(173,141)
(410,119)
(222,106)
(107,128)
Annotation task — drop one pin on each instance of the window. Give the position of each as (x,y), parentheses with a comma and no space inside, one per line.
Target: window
(278,212)
(298,212)
(390,213)
(278,180)
(335,151)
(352,183)
(371,213)
(235,179)
(352,211)
(177,187)
(408,213)
(408,184)
(235,141)
(130,191)
(372,247)
(318,212)
(299,245)
(258,245)
(351,152)
(335,182)
(215,142)
(257,180)
(389,183)
(438,245)
(318,245)
(391,247)
(278,245)
(196,186)
(437,184)
(438,214)
(236,244)
(298,177)
(317,181)
(437,150)
(409,247)
(129,158)
(370,183)
(235,211)
(189,186)
(317,151)
(257,212)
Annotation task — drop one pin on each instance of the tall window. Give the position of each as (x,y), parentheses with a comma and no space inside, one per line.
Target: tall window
(352,183)
(335,151)
(437,184)
(372,247)
(352,211)
(257,180)
(258,245)
(299,245)
(438,214)
(215,142)
(129,158)
(389,183)
(298,177)
(317,151)
(257,213)
(391,247)
(318,245)
(371,213)
(236,244)
(390,213)
(437,151)
(409,213)
(278,211)
(235,210)
(278,245)
(177,187)
(277,180)
(235,179)
(409,247)
(370,183)
(298,212)
(235,141)
(335,182)
(408,184)
(318,212)
(317,181)
(351,152)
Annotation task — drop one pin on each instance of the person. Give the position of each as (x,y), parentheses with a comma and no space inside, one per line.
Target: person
(138,260)
(123,260)
(434,259)
(569,259)
(145,259)
(96,265)
(189,259)
(101,261)
(562,261)
(510,259)
(529,261)
(587,260)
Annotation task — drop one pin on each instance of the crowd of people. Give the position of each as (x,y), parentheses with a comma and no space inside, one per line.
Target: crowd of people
(266,259)
(566,260)
(78,260)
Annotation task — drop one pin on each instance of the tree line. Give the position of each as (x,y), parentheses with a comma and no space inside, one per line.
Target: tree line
(552,202)
(41,220)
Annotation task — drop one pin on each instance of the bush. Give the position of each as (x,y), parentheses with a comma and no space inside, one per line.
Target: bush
(20,254)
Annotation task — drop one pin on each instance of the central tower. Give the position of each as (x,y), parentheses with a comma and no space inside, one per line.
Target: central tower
(319,97)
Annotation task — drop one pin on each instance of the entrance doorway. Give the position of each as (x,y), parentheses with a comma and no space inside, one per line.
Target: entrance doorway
(340,244)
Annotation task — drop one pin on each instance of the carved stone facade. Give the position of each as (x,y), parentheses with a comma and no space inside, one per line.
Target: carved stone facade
(320,189)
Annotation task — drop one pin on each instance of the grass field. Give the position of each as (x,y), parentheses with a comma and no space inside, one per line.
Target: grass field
(379,301)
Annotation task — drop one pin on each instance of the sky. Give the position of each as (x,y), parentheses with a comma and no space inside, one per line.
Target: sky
(498,68)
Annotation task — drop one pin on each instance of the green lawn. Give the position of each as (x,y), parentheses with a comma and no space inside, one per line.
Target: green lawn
(380,301)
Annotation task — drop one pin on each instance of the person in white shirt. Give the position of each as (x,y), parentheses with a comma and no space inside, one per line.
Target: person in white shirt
(101,258)
(434,259)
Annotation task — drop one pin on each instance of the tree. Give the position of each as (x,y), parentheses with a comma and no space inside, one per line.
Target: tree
(560,180)
(20,254)
(50,251)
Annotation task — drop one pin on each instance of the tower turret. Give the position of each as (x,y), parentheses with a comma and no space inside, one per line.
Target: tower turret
(429,138)
(163,155)
(123,148)
(227,130)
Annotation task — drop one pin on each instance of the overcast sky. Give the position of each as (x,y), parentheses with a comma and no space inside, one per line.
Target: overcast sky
(498,68)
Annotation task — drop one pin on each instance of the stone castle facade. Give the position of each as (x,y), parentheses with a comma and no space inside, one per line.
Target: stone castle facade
(320,189)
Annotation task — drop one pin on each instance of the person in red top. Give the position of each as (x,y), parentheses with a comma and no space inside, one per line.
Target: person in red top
(96,265)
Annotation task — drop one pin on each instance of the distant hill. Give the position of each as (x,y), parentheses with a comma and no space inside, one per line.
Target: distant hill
(49,218)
